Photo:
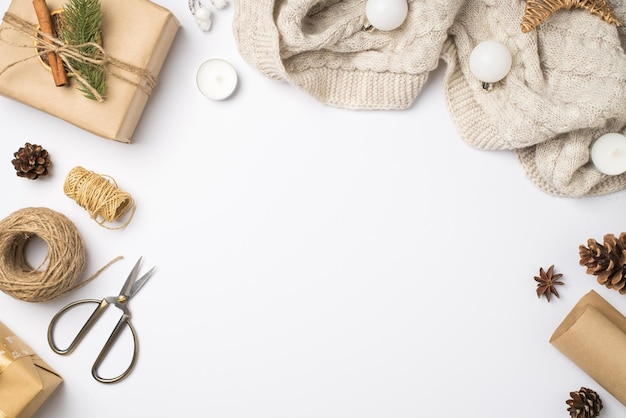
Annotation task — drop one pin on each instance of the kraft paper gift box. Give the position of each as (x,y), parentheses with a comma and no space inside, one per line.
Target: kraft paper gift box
(26,381)
(593,336)
(138,33)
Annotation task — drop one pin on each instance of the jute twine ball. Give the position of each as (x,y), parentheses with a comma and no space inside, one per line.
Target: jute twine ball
(60,268)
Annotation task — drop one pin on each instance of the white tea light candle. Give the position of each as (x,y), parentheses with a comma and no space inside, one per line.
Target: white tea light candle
(608,154)
(216,79)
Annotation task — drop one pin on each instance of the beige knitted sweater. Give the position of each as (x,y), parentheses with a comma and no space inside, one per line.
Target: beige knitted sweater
(566,88)
(320,47)
(567,85)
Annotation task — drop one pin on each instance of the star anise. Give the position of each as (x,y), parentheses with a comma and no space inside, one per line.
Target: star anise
(546,282)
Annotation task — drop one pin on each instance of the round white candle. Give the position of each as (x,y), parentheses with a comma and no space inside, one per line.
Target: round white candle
(608,154)
(216,79)
(386,15)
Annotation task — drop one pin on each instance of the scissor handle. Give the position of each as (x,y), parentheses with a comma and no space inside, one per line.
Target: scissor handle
(119,327)
(96,314)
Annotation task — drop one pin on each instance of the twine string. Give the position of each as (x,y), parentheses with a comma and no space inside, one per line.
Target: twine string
(537,11)
(568,4)
(63,264)
(45,43)
(100,196)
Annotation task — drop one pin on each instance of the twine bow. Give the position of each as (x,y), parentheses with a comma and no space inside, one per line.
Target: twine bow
(45,44)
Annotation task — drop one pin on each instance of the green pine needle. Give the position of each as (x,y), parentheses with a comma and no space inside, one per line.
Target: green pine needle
(82,24)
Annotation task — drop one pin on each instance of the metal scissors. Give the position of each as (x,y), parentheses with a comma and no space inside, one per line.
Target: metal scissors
(130,288)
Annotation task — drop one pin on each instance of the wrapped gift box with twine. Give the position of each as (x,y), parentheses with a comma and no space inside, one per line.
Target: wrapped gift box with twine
(26,381)
(136,38)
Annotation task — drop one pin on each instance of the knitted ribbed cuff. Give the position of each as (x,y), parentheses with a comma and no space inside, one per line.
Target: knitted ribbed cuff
(583,181)
(257,37)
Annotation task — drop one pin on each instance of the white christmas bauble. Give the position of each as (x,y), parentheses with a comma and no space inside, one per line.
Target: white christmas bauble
(386,14)
(490,61)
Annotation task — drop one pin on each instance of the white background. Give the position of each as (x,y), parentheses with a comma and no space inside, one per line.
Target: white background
(311,261)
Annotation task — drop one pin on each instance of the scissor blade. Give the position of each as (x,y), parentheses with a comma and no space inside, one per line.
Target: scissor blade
(130,281)
(139,283)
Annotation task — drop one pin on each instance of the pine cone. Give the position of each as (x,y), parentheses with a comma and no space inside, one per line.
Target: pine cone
(584,403)
(31,161)
(607,262)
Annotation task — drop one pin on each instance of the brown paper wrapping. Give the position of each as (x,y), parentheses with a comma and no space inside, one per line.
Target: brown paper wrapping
(137,32)
(26,381)
(593,336)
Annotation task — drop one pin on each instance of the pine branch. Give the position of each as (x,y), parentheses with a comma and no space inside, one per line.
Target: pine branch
(81,24)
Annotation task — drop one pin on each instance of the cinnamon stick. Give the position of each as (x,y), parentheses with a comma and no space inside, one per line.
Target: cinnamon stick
(45,25)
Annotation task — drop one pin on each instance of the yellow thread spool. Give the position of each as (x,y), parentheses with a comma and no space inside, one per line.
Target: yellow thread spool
(99,196)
